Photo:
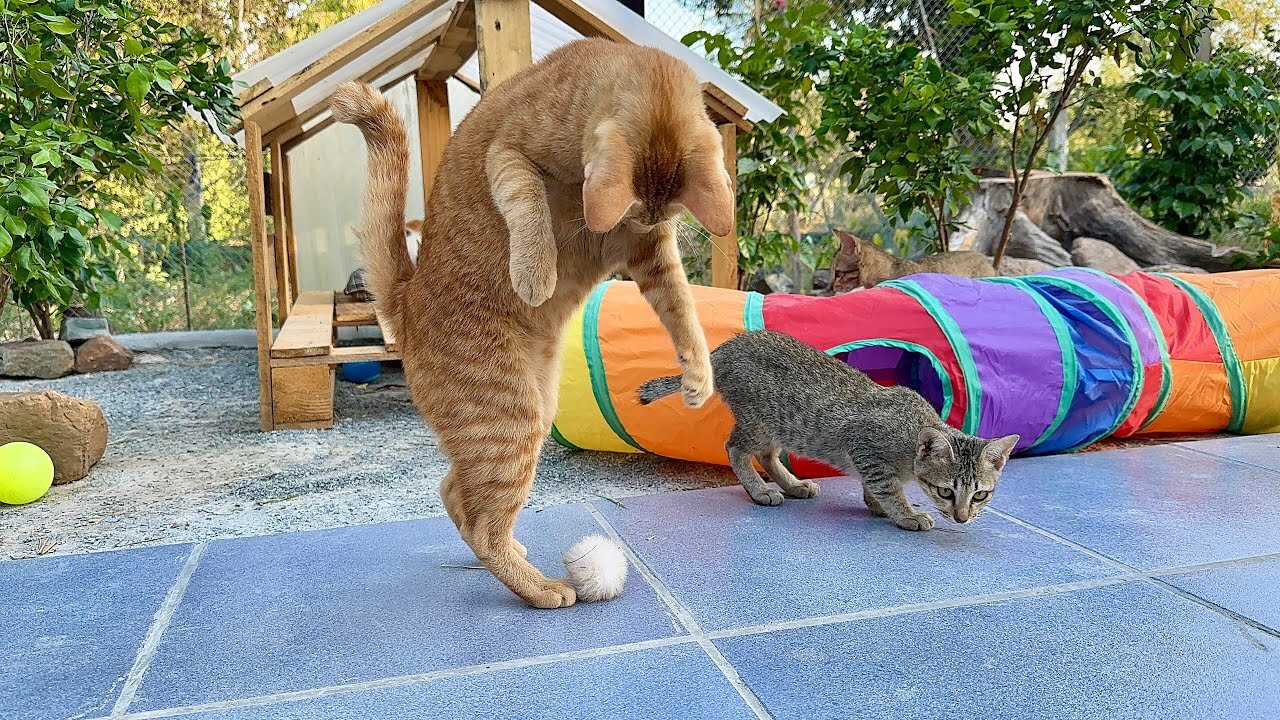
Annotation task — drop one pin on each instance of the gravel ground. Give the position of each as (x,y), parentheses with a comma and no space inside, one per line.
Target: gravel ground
(186,462)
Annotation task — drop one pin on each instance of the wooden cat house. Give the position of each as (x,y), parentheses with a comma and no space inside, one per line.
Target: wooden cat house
(438,49)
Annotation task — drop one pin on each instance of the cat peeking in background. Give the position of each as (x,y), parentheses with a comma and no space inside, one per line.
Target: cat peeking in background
(863,264)
(788,397)
(575,168)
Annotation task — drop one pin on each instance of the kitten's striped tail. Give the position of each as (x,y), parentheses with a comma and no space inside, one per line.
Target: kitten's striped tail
(382,221)
(659,388)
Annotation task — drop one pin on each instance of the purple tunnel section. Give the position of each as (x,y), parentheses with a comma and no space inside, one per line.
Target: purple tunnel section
(1016,356)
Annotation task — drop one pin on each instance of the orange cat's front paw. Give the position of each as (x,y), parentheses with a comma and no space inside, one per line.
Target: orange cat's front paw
(534,285)
(696,388)
(551,594)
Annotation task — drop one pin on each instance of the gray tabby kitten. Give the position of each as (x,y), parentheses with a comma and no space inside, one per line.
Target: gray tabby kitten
(785,395)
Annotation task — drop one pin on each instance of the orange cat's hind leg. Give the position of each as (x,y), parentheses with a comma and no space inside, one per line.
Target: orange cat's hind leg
(494,434)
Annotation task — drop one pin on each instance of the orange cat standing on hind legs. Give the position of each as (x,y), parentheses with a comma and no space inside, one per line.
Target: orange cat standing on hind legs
(576,167)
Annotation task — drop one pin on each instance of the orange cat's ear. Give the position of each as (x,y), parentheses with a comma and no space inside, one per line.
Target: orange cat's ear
(708,194)
(607,190)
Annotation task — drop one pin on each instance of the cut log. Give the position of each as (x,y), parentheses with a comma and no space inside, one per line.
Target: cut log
(983,219)
(1057,209)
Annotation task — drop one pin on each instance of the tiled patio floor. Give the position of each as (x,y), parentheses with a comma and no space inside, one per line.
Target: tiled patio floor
(1138,583)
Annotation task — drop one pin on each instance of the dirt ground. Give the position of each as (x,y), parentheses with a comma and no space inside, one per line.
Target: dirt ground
(186,462)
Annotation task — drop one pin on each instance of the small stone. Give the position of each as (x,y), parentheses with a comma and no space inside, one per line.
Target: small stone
(78,329)
(821,280)
(1176,268)
(46,359)
(72,430)
(1016,267)
(102,354)
(1099,255)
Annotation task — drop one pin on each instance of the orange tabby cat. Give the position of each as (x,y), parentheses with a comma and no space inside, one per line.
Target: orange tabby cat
(576,167)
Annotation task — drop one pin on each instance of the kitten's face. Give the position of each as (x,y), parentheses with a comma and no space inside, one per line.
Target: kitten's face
(959,472)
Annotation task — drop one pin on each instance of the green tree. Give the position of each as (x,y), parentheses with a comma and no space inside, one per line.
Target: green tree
(1041,52)
(1207,130)
(900,113)
(775,158)
(86,86)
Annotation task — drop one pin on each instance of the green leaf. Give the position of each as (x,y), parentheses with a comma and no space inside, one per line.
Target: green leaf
(133,47)
(33,193)
(61,25)
(111,219)
(6,243)
(137,84)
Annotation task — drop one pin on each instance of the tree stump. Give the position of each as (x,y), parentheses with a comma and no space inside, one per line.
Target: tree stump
(1057,209)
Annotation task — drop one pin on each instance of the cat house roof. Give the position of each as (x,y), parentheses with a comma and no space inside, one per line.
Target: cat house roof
(286,94)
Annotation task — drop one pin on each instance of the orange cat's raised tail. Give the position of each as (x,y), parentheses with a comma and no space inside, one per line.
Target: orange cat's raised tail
(382,222)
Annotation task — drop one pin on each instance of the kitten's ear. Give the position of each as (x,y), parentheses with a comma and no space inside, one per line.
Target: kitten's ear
(849,244)
(997,451)
(708,194)
(932,445)
(607,190)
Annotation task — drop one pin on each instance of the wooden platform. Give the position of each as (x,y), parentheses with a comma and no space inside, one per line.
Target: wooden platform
(305,356)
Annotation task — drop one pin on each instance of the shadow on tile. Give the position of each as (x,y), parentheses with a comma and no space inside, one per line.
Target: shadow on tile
(1260,450)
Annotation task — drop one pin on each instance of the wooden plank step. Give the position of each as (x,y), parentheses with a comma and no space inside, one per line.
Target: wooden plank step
(388,337)
(340,355)
(309,330)
(354,314)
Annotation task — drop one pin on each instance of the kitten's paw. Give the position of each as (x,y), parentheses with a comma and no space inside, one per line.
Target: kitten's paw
(696,387)
(921,521)
(803,489)
(534,285)
(551,595)
(874,505)
(768,496)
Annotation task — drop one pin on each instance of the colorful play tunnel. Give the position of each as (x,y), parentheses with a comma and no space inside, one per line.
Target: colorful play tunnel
(1064,359)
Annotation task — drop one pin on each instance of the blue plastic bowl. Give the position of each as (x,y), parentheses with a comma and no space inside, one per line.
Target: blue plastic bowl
(361,372)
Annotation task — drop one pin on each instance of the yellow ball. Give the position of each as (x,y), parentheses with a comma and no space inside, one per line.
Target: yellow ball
(26,473)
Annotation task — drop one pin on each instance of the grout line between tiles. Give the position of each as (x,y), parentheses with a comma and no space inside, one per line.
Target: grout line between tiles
(686,619)
(163,616)
(1153,578)
(1206,453)
(402,680)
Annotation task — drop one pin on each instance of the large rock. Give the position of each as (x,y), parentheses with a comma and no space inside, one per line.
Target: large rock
(79,329)
(102,354)
(72,430)
(1099,255)
(1015,267)
(46,359)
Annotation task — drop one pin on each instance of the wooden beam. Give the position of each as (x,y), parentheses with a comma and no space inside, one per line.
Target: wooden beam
(261,296)
(721,112)
(434,128)
(303,396)
(575,16)
(291,242)
(280,217)
(253,91)
(275,105)
(340,355)
(503,39)
(310,331)
(456,44)
(724,250)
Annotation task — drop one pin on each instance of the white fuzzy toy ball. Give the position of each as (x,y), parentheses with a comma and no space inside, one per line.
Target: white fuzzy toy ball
(597,568)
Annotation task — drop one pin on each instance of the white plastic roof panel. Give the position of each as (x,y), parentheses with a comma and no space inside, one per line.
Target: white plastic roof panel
(548,33)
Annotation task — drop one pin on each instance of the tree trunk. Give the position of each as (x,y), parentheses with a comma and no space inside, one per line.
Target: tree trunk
(1057,209)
